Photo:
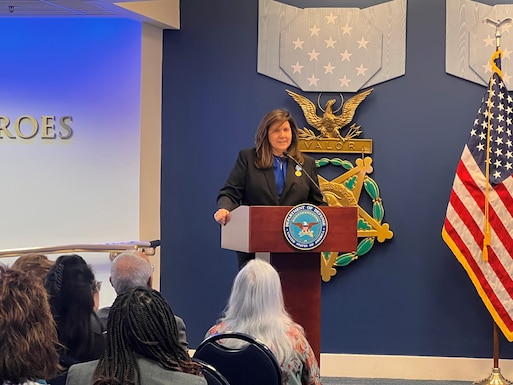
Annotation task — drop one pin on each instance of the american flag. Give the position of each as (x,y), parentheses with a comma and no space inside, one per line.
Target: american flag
(479,220)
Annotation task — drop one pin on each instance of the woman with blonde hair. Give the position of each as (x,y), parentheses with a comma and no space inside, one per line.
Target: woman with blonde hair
(256,308)
(27,330)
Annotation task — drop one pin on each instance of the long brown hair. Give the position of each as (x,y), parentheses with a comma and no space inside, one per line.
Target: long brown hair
(264,151)
(27,329)
(141,323)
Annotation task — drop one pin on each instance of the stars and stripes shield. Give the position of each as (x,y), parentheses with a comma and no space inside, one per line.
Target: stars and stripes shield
(479,221)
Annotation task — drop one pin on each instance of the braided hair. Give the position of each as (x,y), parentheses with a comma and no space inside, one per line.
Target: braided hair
(140,323)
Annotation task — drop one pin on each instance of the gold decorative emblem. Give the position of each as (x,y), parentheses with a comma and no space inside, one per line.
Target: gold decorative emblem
(346,189)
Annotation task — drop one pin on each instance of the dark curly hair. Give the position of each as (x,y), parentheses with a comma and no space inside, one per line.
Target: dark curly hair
(140,323)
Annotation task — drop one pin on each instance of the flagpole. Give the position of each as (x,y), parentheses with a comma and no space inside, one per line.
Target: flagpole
(495,378)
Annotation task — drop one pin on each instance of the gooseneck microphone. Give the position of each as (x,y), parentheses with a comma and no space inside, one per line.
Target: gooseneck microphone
(286,154)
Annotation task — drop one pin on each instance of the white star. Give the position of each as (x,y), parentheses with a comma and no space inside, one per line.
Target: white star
(330,43)
(331,18)
(362,43)
(361,70)
(509,154)
(297,68)
(507,166)
(344,82)
(312,81)
(500,129)
(314,31)
(489,41)
(480,147)
(328,69)
(496,174)
(487,67)
(472,132)
(506,27)
(346,29)
(346,55)
(298,43)
(313,55)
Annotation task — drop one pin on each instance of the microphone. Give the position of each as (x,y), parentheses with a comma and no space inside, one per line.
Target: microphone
(286,154)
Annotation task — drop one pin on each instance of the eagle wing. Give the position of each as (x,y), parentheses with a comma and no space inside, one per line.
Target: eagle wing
(298,224)
(311,224)
(309,109)
(349,108)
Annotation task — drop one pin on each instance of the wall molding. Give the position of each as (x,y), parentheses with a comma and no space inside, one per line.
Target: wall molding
(411,367)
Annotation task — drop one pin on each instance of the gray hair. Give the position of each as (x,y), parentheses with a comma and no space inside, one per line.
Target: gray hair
(256,307)
(130,269)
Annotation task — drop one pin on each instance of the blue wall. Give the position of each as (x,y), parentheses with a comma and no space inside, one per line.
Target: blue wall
(408,296)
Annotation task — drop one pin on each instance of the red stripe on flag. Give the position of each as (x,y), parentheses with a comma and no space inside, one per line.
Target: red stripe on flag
(480,282)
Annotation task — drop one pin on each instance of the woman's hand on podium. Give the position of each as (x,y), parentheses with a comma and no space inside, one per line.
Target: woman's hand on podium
(222,216)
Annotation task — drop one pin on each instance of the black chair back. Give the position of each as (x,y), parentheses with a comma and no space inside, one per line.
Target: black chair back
(252,364)
(212,375)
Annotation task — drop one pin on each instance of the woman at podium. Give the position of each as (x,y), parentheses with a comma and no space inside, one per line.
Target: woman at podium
(273,173)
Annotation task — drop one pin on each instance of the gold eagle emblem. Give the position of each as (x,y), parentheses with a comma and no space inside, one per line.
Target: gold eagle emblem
(329,124)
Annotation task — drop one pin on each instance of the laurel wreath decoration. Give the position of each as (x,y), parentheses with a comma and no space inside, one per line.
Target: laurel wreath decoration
(378,212)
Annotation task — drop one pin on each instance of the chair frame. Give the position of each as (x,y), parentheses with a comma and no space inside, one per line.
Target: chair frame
(228,355)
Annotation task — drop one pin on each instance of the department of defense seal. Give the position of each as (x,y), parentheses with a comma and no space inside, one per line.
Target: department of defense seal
(305,226)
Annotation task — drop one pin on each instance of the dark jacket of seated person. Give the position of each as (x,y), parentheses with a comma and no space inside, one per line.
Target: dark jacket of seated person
(141,346)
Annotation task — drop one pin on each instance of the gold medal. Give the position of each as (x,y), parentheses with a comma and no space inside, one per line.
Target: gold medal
(298,173)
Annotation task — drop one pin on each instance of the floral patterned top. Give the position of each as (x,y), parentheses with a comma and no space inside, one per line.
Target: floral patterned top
(299,369)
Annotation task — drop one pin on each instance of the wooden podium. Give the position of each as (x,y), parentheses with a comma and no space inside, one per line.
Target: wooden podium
(260,229)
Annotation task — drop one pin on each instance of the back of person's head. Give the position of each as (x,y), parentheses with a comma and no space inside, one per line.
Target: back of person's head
(130,269)
(71,285)
(27,330)
(256,290)
(37,265)
(141,323)
(256,307)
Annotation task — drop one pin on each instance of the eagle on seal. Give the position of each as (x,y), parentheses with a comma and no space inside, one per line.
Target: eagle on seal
(329,124)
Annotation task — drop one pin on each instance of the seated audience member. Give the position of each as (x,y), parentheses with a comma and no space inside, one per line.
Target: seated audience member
(37,265)
(131,269)
(256,308)
(142,346)
(28,338)
(73,292)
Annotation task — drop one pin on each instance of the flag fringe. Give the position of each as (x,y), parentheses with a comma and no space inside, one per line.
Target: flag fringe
(461,258)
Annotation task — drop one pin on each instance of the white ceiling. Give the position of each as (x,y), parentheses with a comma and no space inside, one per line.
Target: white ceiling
(160,12)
